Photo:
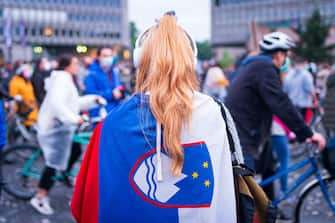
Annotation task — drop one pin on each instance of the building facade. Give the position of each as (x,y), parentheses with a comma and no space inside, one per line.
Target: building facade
(231,20)
(30,27)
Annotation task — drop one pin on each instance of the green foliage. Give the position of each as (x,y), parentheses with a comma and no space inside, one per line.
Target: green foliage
(204,50)
(226,60)
(313,38)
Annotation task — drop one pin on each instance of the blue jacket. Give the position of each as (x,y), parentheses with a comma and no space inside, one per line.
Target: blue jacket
(2,126)
(100,83)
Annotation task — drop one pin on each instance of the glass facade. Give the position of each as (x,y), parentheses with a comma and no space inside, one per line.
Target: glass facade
(231,18)
(67,21)
(95,3)
(80,17)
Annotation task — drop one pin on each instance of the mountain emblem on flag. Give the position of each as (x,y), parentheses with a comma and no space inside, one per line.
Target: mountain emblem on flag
(193,188)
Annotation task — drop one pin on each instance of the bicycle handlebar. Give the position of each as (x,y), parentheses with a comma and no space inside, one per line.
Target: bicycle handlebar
(313,149)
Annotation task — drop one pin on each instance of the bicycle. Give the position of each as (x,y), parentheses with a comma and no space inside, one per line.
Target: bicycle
(324,184)
(22,164)
(298,149)
(18,132)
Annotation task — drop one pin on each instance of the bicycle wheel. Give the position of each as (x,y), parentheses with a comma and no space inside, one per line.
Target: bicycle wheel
(312,206)
(22,166)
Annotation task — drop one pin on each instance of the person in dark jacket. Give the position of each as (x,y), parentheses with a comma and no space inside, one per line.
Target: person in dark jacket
(41,72)
(256,94)
(103,80)
(328,119)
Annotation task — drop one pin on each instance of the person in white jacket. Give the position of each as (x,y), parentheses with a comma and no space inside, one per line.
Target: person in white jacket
(58,118)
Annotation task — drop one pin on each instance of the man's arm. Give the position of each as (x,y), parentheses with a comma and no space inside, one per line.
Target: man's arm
(270,89)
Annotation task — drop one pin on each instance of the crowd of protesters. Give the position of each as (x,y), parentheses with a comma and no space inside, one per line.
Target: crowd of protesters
(57,91)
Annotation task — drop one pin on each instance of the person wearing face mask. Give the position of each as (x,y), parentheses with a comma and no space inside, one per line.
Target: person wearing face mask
(256,95)
(21,85)
(103,80)
(41,72)
(280,136)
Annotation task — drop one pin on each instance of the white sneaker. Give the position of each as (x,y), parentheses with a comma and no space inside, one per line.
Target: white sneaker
(42,205)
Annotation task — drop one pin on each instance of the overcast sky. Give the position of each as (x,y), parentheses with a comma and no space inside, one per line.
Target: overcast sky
(193,15)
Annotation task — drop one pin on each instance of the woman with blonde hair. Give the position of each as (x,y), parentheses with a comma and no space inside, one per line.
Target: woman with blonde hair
(163,155)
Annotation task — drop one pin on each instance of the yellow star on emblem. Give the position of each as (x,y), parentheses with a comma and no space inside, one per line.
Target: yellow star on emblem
(207,183)
(195,175)
(205,164)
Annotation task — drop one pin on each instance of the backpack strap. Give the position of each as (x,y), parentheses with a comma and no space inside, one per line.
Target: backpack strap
(230,137)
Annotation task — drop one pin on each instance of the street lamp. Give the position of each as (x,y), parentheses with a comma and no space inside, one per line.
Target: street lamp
(81,49)
(48,31)
(38,49)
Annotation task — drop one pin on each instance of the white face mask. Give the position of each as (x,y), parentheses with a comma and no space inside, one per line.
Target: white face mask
(107,61)
(47,66)
(26,74)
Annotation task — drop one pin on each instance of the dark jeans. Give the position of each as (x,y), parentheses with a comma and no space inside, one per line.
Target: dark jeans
(265,165)
(46,181)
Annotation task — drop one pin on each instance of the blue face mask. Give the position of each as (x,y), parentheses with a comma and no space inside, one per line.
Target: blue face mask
(286,66)
(107,61)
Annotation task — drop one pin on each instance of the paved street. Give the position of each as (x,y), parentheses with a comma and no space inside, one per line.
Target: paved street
(14,211)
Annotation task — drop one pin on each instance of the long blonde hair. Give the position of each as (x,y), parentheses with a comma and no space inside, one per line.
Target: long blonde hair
(167,71)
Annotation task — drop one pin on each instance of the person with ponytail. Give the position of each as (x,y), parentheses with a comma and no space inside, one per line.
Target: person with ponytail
(163,155)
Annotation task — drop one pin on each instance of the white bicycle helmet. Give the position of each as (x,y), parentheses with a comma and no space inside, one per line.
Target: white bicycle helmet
(276,41)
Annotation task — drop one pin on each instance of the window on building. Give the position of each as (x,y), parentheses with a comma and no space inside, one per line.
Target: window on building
(117,3)
(17,30)
(83,33)
(33,32)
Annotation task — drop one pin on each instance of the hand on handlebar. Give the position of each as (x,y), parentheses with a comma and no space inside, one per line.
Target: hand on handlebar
(318,139)
(82,119)
(117,94)
(101,101)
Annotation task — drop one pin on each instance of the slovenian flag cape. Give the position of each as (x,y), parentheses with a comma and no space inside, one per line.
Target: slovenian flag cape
(118,182)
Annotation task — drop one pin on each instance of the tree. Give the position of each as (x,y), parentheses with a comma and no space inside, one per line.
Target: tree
(133,33)
(313,37)
(204,50)
(226,60)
